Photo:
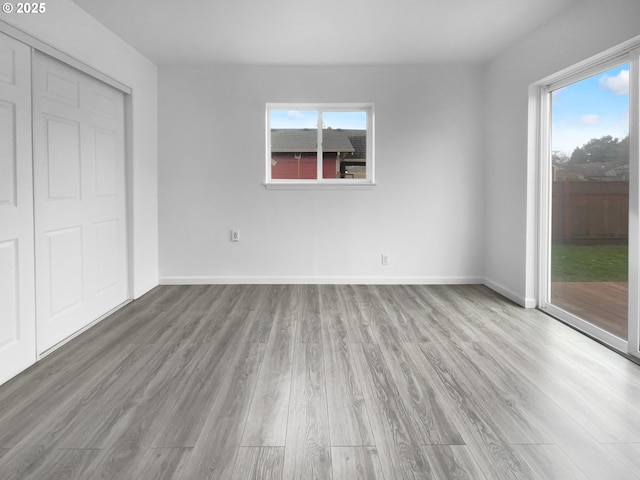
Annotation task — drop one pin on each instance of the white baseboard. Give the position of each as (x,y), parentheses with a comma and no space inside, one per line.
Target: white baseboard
(53,348)
(317,280)
(139,292)
(510,294)
(212,280)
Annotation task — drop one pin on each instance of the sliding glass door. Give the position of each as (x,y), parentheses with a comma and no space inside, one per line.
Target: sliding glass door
(590,199)
(589,202)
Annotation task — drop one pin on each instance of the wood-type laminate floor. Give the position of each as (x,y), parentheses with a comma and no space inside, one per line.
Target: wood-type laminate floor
(326,382)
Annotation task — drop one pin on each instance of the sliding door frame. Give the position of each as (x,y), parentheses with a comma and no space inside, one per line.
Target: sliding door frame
(540,150)
(633,347)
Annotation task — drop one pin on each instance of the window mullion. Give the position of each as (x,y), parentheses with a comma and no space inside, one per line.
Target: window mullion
(319,161)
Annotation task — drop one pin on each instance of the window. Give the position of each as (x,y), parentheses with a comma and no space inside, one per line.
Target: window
(319,144)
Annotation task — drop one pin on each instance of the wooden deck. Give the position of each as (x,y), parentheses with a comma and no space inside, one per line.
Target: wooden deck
(603,304)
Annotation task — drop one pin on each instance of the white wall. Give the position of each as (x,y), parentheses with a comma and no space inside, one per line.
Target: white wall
(69,29)
(587,29)
(426,213)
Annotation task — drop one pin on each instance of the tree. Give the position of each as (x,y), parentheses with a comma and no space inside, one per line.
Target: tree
(559,158)
(602,150)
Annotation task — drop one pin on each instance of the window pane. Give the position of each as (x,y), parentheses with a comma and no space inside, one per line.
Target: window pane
(294,144)
(590,199)
(344,145)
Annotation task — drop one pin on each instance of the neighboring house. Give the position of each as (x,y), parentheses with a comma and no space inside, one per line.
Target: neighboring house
(294,153)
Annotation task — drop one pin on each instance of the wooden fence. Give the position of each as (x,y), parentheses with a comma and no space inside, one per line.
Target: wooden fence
(590,212)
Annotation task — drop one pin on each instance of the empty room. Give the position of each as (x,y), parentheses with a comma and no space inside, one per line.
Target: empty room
(320,240)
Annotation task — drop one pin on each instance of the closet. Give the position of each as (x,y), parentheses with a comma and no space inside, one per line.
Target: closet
(63,239)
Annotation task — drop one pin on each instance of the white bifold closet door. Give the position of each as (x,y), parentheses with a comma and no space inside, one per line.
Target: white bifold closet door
(79,200)
(17,312)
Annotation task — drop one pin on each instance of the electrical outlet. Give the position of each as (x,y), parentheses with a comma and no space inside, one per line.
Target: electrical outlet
(235,235)
(385,259)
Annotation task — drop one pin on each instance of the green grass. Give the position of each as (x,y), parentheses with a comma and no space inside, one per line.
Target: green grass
(589,263)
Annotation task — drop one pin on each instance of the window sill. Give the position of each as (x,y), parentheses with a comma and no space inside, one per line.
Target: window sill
(318,186)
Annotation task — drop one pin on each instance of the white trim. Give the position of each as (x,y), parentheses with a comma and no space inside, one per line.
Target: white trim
(63,57)
(589,70)
(633,315)
(81,331)
(318,185)
(521,300)
(323,106)
(540,130)
(588,65)
(317,280)
(129,193)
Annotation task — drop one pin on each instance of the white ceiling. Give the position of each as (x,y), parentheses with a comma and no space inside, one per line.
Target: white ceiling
(321,32)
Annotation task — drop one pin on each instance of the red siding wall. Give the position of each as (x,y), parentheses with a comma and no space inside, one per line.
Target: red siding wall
(289,167)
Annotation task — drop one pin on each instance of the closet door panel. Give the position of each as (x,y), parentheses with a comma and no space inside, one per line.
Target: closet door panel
(17,302)
(79,179)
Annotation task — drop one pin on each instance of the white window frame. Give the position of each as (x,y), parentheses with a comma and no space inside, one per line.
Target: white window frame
(540,162)
(319,182)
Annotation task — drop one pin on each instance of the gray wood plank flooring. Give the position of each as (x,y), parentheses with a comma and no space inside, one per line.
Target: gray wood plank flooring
(259,463)
(356,463)
(324,382)
(307,452)
(453,461)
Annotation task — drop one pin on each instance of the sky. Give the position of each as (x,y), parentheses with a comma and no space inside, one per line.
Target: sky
(309,118)
(591,108)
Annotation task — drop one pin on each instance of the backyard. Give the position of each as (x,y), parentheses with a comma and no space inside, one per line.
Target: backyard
(590,281)
(589,263)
